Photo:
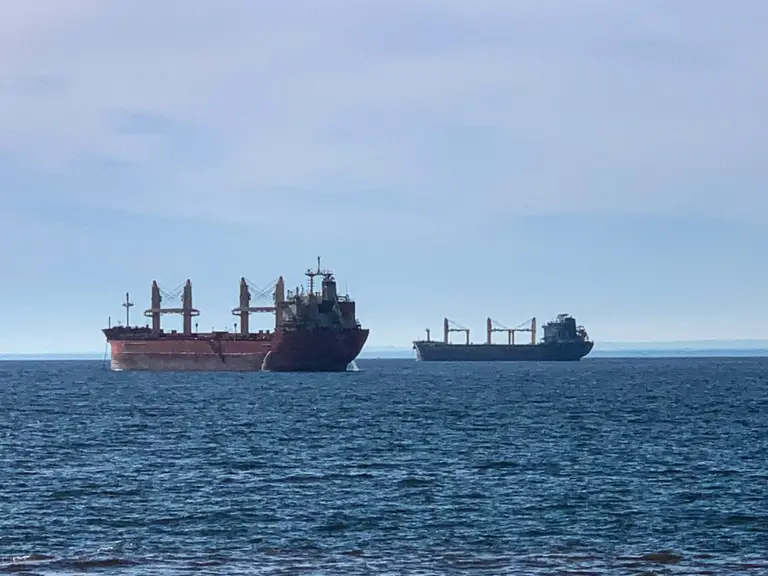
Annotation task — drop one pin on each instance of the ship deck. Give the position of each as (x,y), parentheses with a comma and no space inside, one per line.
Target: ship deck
(143,334)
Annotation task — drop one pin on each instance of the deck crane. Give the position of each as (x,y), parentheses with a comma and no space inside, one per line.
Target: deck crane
(248,290)
(451,326)
(493,326)
(187,311)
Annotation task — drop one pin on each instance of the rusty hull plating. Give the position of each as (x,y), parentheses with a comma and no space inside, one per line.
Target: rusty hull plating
(314,332)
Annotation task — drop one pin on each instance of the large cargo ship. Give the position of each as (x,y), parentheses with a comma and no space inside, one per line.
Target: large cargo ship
(563,341)
(313,331)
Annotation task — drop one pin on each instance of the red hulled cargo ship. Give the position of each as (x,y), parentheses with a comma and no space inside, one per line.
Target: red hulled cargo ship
(314,332)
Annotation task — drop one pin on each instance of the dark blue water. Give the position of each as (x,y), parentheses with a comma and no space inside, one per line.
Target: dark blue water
(607,466)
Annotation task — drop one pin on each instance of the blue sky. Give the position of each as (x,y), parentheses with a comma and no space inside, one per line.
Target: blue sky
(465,159)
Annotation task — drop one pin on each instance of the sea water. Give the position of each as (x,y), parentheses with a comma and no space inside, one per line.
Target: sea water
(605,466)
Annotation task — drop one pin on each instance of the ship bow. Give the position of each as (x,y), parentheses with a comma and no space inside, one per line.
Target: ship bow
(316,350)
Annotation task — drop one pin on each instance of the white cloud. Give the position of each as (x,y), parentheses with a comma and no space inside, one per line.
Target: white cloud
(454,109)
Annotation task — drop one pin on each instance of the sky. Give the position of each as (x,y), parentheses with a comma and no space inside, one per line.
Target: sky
(444,158)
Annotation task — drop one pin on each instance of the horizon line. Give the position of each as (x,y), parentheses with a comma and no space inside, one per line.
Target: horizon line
(680,344)
(408,353)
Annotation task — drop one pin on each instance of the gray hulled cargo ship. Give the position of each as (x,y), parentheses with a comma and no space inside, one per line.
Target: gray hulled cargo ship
(563,341)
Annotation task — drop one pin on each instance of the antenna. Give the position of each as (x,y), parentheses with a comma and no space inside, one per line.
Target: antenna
(318,272)
(127,305)
(311,274)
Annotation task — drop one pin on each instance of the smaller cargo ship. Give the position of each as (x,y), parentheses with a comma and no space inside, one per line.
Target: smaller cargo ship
(314,332)
(563,341)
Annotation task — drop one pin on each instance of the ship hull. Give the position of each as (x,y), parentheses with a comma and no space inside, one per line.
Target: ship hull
(561,352)
(319,350)
(188,355)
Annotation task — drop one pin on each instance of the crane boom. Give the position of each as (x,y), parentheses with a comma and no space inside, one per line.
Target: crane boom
(451,326)
(493,326)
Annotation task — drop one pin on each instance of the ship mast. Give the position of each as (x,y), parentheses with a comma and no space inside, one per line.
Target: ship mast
(318,272)
(127,305)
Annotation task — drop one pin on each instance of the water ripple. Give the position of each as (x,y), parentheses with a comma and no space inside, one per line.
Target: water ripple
(600,467)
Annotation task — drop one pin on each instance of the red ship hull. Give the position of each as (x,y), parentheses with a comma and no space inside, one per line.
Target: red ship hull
(319,350)
(194,354)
